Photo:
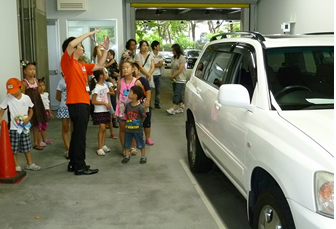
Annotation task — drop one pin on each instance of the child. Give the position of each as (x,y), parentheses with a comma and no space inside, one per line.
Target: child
(135,114)
(111,93)
(102,105)
(113,70)
(146,103)
(20,113)
(46,102)
(29,87)
(63,114)
(123,88)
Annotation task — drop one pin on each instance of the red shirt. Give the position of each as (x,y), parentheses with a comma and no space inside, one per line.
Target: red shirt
(76,79)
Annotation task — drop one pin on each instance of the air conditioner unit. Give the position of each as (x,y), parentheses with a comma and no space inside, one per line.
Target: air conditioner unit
(72,5)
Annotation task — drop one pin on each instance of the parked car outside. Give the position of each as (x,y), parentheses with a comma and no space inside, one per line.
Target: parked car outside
(191,56)
(167,56)
(262,109)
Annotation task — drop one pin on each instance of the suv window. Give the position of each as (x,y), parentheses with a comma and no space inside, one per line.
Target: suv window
(204,62)
(216,74)
(301,77)
(242,69)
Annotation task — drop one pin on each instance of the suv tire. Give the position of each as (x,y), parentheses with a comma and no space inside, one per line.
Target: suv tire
(272,211)
(198,161)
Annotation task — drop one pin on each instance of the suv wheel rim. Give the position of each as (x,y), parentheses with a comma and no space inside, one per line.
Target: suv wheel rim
(269,218)
(192,145)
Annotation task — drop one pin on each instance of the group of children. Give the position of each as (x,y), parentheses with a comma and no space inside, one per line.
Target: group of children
(27,105)
(28,108)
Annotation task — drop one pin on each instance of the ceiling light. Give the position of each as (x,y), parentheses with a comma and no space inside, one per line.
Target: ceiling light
(217,22)
(158,12)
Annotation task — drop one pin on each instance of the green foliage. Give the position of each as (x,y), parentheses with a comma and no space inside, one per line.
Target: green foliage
(170,32)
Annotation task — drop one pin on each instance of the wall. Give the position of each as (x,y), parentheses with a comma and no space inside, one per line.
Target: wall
(97,10)
(308,15)
(9,44)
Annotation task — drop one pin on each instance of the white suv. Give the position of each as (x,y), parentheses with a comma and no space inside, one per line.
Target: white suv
(262,109)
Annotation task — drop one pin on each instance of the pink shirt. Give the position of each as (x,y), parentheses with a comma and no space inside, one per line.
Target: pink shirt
(122,97)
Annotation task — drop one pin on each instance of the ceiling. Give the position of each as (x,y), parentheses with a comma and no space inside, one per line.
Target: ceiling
(229,14)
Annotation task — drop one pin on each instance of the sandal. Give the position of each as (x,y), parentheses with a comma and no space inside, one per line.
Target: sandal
(38,147)
(143,160)
(100,152)
(133,151)
(125,160)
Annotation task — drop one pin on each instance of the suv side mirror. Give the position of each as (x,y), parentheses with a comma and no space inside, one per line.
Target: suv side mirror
(234,95)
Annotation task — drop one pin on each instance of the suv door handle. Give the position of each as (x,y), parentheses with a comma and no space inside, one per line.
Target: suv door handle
(217,105)
(198,90)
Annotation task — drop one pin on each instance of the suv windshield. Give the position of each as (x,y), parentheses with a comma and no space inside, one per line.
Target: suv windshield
(301,77)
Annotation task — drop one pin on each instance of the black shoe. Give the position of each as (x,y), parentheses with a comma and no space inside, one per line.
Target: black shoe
(157,107)
(72,169)
(86,171)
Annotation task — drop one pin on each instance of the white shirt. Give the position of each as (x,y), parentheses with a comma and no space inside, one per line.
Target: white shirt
(45,100)
(62,88)
(141,59)
(157,59)
(16,107)
(101,91)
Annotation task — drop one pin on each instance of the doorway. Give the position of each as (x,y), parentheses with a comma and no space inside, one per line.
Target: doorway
(53,61)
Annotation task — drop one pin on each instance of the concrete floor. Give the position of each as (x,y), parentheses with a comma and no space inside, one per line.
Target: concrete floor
(158,194)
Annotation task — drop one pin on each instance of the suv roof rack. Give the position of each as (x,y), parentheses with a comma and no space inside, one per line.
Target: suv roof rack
(254,35)
(320,33)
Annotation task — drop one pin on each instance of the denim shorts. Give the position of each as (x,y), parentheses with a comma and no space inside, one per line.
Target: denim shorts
(138,138)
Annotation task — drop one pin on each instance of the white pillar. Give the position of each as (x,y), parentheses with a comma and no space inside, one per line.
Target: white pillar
(9,44)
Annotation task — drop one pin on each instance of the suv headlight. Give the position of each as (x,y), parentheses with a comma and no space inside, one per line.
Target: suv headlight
(324,193)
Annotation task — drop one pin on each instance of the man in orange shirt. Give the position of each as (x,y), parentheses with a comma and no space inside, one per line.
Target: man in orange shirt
(78,97)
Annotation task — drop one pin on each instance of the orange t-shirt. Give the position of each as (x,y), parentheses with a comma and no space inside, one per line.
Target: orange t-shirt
(76,79)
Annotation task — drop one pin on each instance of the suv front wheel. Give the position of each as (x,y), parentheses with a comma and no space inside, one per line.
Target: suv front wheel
(272,211)
(198,161)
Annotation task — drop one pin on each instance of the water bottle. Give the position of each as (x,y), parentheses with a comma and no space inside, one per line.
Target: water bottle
(121,110)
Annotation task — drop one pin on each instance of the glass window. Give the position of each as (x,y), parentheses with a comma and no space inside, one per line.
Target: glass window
(108,28)
(204,62)
(305,78)
(217,72)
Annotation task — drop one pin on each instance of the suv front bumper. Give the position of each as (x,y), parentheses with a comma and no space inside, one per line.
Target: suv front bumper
(305,218)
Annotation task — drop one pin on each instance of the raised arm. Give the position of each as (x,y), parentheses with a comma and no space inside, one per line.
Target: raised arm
(102,60)
(72,45)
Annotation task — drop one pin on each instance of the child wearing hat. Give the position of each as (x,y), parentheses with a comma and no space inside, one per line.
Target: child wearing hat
(19,108)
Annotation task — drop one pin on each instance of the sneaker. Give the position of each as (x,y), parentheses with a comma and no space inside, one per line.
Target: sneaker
(66,154)
(106,149)
(48,142)
(113,136)
(149,141)
(179,110)
(42,144)
(100,152)
(18,168)
(171,111)
(33,167)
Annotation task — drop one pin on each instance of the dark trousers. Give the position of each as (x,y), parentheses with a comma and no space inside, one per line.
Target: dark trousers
(79,115)
(157,83)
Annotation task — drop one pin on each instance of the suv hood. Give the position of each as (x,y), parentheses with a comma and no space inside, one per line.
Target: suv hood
(317,124)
